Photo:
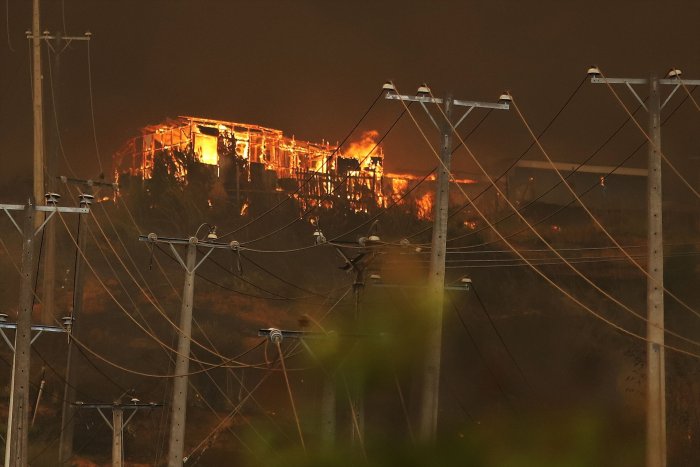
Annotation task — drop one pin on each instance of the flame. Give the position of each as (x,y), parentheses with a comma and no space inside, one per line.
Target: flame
(244,209)
(205,149)
(364,149)
(424,206)
(398,188)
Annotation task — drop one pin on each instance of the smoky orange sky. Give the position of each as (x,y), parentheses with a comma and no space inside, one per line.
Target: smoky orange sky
(311,68)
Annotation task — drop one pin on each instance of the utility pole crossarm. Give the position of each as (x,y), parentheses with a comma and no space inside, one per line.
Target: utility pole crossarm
(39,328)
(271,332)
(88,182)
(48,37)
(153,238)
(666,81)
(457,102)
(127,406)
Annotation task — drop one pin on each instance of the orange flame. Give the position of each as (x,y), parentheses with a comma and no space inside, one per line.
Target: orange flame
(364,149)
(424,206)
(398,188)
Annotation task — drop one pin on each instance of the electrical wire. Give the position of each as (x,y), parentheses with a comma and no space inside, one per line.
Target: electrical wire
(149,297)
(7,25)
(98,157)
(481,356)
(515,161)
(194,320)
(120,306)
(557,184)
(397,201)
(545,258)
(689,93)
(291,395)
(595,219)
(565,292)
(240,277)
(502,340)
(54,112)
(224,287)
(150,329)
(281,279)
(230,416)
(649,140)
(584,277)
(92,111)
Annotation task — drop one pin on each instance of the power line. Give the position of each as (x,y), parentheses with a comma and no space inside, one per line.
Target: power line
(114,299)
(515,161)
(553,187)
(649,140)
(224,287)
(534,268)
(583,276)
(481,356)
(502,340)
(597,222)
(398,200)
(92,111)
(281,279)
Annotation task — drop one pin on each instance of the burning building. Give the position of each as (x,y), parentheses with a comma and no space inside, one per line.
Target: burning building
(252,158)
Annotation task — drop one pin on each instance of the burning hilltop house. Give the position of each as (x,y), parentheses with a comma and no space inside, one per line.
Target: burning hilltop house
(252,159)
(255,159)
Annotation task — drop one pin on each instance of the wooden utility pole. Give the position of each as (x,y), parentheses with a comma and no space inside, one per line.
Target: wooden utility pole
(117,436)
(65,446)
(18,418)
(436,283)
(656,367)
(38,109)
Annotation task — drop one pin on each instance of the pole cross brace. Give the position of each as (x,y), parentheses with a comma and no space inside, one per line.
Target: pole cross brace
(135,406)
(628,82)
(39,328)
(212,245)
(52,209)
(457,102)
